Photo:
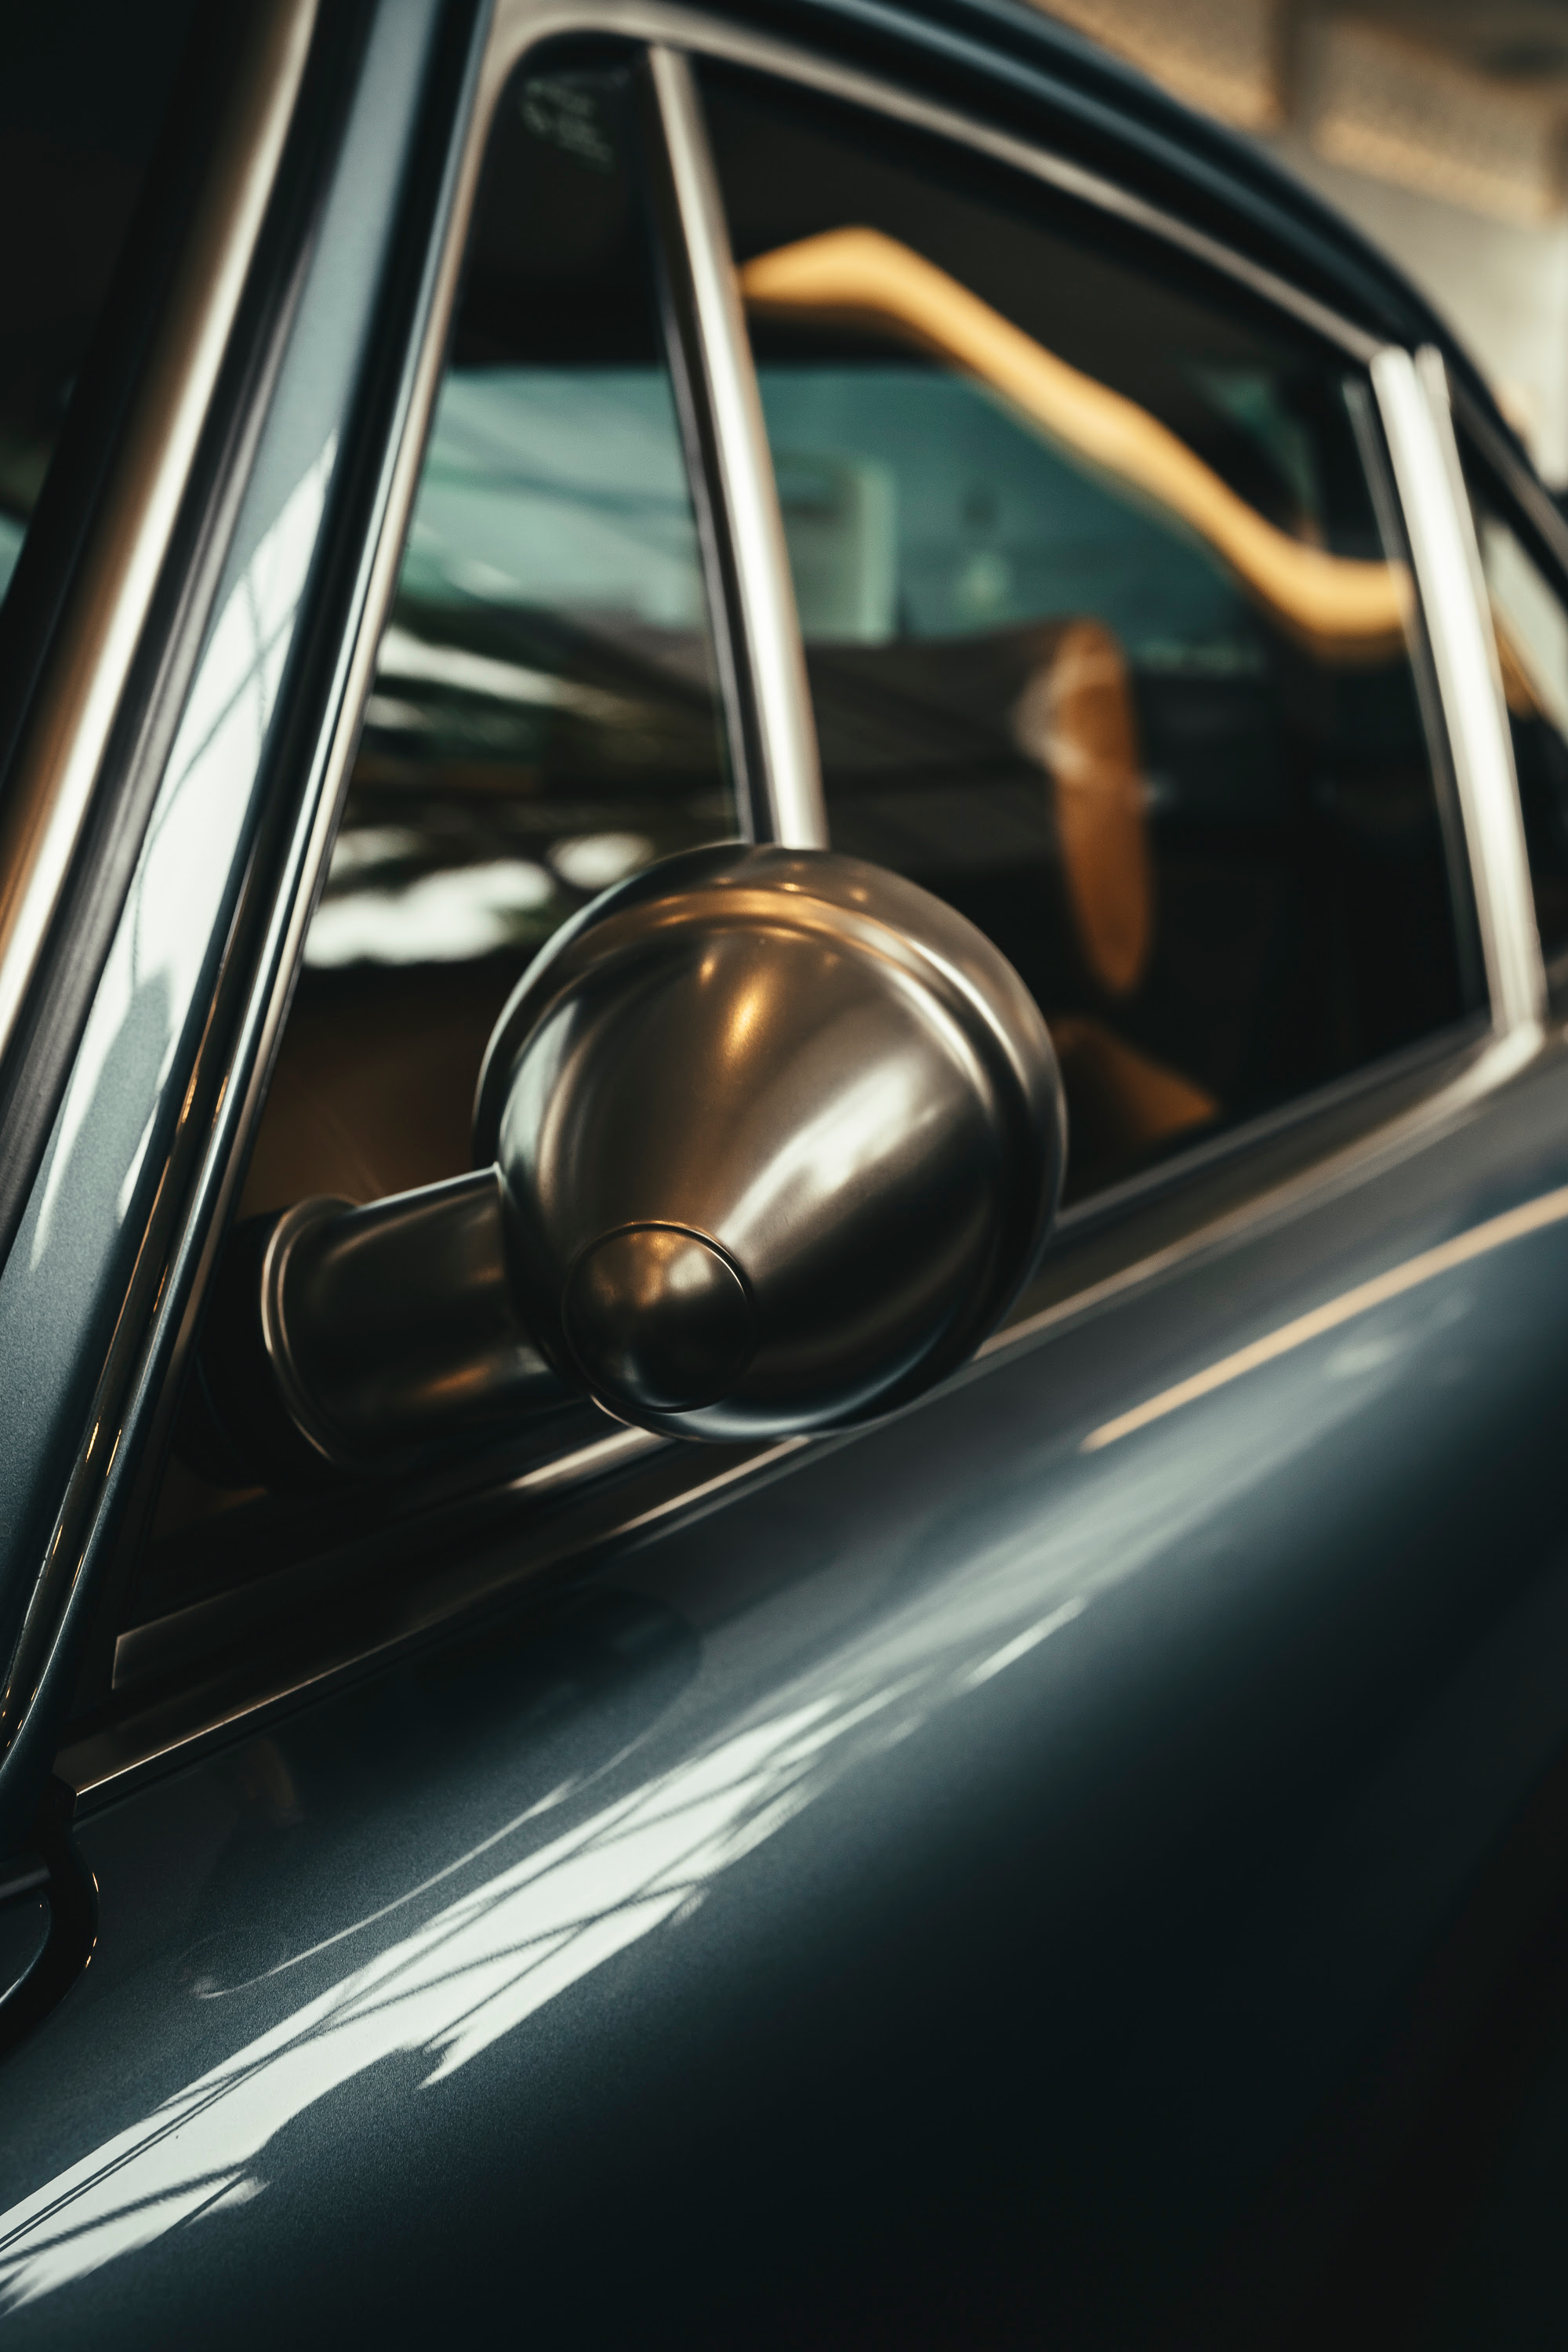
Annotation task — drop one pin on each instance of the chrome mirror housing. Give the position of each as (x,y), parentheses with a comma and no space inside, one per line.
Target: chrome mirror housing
(768,1141)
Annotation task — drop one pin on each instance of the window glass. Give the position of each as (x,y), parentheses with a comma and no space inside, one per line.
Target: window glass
(1105,642)
(84,88)
(544,718)
(1531,627)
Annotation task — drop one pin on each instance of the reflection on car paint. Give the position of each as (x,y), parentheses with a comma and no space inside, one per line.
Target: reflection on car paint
(1515,1224)
(106,1148)
(177,892)
(488,1960)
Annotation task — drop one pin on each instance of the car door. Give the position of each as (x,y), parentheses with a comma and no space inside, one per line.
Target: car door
(945,1881)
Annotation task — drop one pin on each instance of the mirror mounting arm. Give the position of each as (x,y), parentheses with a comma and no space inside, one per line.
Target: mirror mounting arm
(384,1327)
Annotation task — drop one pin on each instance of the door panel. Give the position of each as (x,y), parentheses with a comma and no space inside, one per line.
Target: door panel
(879,1905)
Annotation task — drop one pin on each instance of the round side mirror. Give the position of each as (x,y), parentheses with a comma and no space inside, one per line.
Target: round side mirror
(780,1139)
(768,1141)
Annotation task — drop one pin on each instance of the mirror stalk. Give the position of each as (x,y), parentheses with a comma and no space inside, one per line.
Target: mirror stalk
(389,1325)
(341,1336)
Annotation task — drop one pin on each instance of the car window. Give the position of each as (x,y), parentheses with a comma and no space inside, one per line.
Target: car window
(544,718)
(84,85)
(1105,642)
(1531,621)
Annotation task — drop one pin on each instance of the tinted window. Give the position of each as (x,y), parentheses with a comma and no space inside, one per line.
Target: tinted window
(544,718)
(1105,642)
(83,88)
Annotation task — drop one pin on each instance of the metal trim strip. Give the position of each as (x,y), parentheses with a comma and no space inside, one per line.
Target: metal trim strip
(103,1765)
(762,584)
(1413,400)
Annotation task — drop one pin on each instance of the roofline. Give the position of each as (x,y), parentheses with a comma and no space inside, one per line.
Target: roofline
(1108,116)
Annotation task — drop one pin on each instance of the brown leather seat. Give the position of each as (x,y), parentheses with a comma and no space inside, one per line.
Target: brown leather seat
(1076,718)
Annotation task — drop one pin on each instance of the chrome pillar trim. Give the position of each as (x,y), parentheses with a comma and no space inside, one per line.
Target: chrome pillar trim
(1413,399)
(121,1213)
(772,655)
(685,357)
(52,784)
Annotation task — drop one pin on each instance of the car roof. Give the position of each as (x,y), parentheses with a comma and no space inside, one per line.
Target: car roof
(1108,115)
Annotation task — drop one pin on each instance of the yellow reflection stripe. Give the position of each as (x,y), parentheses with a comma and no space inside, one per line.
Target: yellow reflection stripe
(1550,1209)
(859,275)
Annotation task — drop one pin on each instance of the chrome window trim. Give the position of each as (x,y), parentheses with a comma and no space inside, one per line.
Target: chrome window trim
(773,653)
(1480,1072)
(51,785)
(1413,400)
(1541,523)
(359,676)
(105,1764)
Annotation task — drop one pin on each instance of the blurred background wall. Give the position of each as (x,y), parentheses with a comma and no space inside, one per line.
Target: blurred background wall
(1439,126)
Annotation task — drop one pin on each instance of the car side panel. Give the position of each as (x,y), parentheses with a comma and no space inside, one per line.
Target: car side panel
(925,1898)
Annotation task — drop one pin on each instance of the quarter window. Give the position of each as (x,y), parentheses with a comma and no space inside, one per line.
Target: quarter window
(1531,623)
(1105,642)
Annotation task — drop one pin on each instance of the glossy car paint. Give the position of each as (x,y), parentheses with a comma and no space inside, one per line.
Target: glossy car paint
(932,1892)
(929,1892)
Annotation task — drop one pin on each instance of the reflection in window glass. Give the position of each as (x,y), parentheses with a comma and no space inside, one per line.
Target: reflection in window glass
(1105,644)
(544,718)
(83,88)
